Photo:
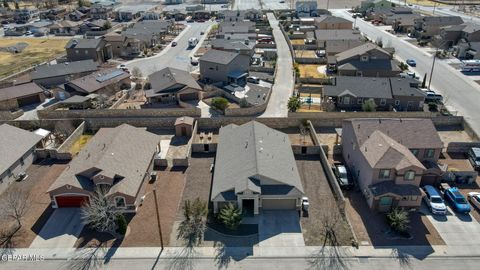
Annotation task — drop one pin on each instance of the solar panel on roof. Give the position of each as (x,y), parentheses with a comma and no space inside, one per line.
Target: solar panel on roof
(109,76)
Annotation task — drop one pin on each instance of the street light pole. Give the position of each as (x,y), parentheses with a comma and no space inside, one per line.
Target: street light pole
(158,217)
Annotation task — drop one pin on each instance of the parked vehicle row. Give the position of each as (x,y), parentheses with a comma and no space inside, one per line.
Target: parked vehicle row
(452,196)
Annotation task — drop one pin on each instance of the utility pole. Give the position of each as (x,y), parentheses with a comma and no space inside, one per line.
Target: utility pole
(328,4)
(431,71)
(158,217)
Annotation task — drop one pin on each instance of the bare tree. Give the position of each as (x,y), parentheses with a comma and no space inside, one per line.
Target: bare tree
(13,208)
(136,72)
(100,214)
(193,226)
(62,130)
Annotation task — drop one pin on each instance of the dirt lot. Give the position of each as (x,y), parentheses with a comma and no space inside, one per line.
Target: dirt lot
(305,54)
(39,50)
(40,176)
(370,227)
(142,228)
(310,71)
(454,136)
(322,203)
(297,42)
(79,144)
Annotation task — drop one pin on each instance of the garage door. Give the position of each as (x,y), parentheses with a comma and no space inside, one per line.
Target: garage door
(278,204)
(28,100)
(189,96)
(71,201)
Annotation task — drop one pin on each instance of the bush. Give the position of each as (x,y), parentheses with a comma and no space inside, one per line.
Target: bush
(136,72)
(244,103)
(121,224)
(230,216)
(398,220)
(432,106)
(294,103)
(403,66)
(220,103)
(147,86)
(369,105)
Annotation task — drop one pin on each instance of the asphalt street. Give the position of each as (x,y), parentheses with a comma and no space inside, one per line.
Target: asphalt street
(458,90)
(284,84)
(176,57)
(261,264)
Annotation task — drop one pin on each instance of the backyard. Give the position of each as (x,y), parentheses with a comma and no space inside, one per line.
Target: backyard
(38,51)
(311,71)
(79,144)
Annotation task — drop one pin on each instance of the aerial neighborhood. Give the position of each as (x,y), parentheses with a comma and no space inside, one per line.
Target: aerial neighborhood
(250,134)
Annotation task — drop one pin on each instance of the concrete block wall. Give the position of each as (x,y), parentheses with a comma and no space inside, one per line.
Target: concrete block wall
(461,147)
(9,115)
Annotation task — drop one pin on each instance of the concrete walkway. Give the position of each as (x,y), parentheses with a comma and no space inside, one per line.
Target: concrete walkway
(284,83)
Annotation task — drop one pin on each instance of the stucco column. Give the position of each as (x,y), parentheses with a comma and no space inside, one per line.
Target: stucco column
(215,207)
(239,204)
(255,206)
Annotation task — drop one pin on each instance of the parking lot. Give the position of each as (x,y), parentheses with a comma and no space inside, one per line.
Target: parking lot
(323,207)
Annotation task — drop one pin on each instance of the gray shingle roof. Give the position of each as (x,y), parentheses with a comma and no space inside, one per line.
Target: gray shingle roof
(14,143)
(406,87)
(163,80)
(337,34)
(20,90)
(225,44)
(441,20)
(359,50)
(219,57)
(48,71)
(84,43)
(125,151)
(331,19)
(365,87)
(251,152)
(386,187)
(411,132)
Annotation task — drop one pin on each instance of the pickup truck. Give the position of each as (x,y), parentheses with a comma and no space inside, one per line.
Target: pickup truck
(432,96)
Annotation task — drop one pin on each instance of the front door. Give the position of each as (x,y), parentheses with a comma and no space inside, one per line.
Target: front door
(385,204)
(248,207)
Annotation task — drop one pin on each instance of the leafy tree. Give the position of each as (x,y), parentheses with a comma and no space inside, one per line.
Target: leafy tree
(107,25)
(230,216)
(398,220)
(100,214)
(5,4)
(147,86)
(220,103)
(297,70)
(369,105)
(432,106)
(403,66)
(424,82)
(121,224)
(81,3)
(294,103)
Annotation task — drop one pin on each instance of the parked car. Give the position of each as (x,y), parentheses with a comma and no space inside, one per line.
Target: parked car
(343,177)
(408,74)
(411,62)
(253,79)
(434,201)
(224,6)
(474,157)
(474,198)
(457,200)
(174,44)
(201,20)
(193,61)
(432,96)
(305,204)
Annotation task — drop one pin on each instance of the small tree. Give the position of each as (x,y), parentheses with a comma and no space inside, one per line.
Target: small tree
(220,103)
(369,105)
(296,68)
(432,106)
(424,82)
(14,206)
(403,66)
(136,72)
(100,214)
(398,220)
(230,216)
(147,86)
(121,224)
(294,103)
(107,25)
(5,4)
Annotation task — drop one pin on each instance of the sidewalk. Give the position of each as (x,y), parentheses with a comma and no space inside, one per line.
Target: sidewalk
(419,252)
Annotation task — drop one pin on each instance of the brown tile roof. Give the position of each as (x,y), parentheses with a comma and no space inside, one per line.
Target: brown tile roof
(20,90)
(184,120)
(98,80)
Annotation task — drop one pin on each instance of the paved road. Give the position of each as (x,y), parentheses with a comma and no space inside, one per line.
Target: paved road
(61,230)
(284,84)
(459,91)
(262,264)
(177,57)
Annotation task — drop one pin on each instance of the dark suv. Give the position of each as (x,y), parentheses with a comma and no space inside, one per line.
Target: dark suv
(474,157)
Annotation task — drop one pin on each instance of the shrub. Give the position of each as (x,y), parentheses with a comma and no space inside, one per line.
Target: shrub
(136,72)
(369,105)
(294,103)
(244,103)
(432,106)
(230,216)
(403,66)
(398,220)
(220,103)
(121,224)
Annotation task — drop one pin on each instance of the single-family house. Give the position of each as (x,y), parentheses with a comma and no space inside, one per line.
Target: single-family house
(65,28)
(368,60)
(105,82)
(172,85)
(18,153)
(350,93)
(429,26)
(123,46)
(103,12)
(14,97)
(246,47)
(53,75)
(324,35)
(306,8)
(150,32)
(111,162)
(333,47)
(370,4)
(325,22)
(76,16)
(255,170)
(237,27)
(151,15)
(387,158)
(173,2)
(176,15)
(96,49)
(223,66)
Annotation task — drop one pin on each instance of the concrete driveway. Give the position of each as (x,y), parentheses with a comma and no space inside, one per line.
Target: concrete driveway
(61,230)
(455,229)
(280,228)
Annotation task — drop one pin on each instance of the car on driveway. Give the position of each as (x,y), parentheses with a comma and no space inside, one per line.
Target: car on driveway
(432,96)
(474,198)
(305,204)
(253,79)
(411,62)
(343,177)
(474,157)
(434,201)
(174,44)
(408,74)
(457,200)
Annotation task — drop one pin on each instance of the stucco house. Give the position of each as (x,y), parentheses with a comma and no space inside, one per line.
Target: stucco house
(389,157)
(106,82)
(172,85)
(326,22)
(427,27)
(255,169)
(53,75)
(306,8)
(223,66)
(14,97)
(95,49)
(17,147)
(111,161)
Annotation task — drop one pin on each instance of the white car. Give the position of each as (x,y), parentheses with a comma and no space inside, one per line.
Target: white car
(305,204)
(474,198)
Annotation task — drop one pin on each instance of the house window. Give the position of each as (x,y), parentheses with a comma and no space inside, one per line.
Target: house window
(383,102)
(397,102)
(359,100)
(76,51)
(429,153)
(413,198)
(364,58)
(384,174)
(414,152)
(120,202)
(346,100)
(409,176)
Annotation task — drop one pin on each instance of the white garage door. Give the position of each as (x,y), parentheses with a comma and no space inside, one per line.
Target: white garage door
(278,204)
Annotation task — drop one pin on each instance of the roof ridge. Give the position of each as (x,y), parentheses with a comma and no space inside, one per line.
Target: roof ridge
(255,147)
